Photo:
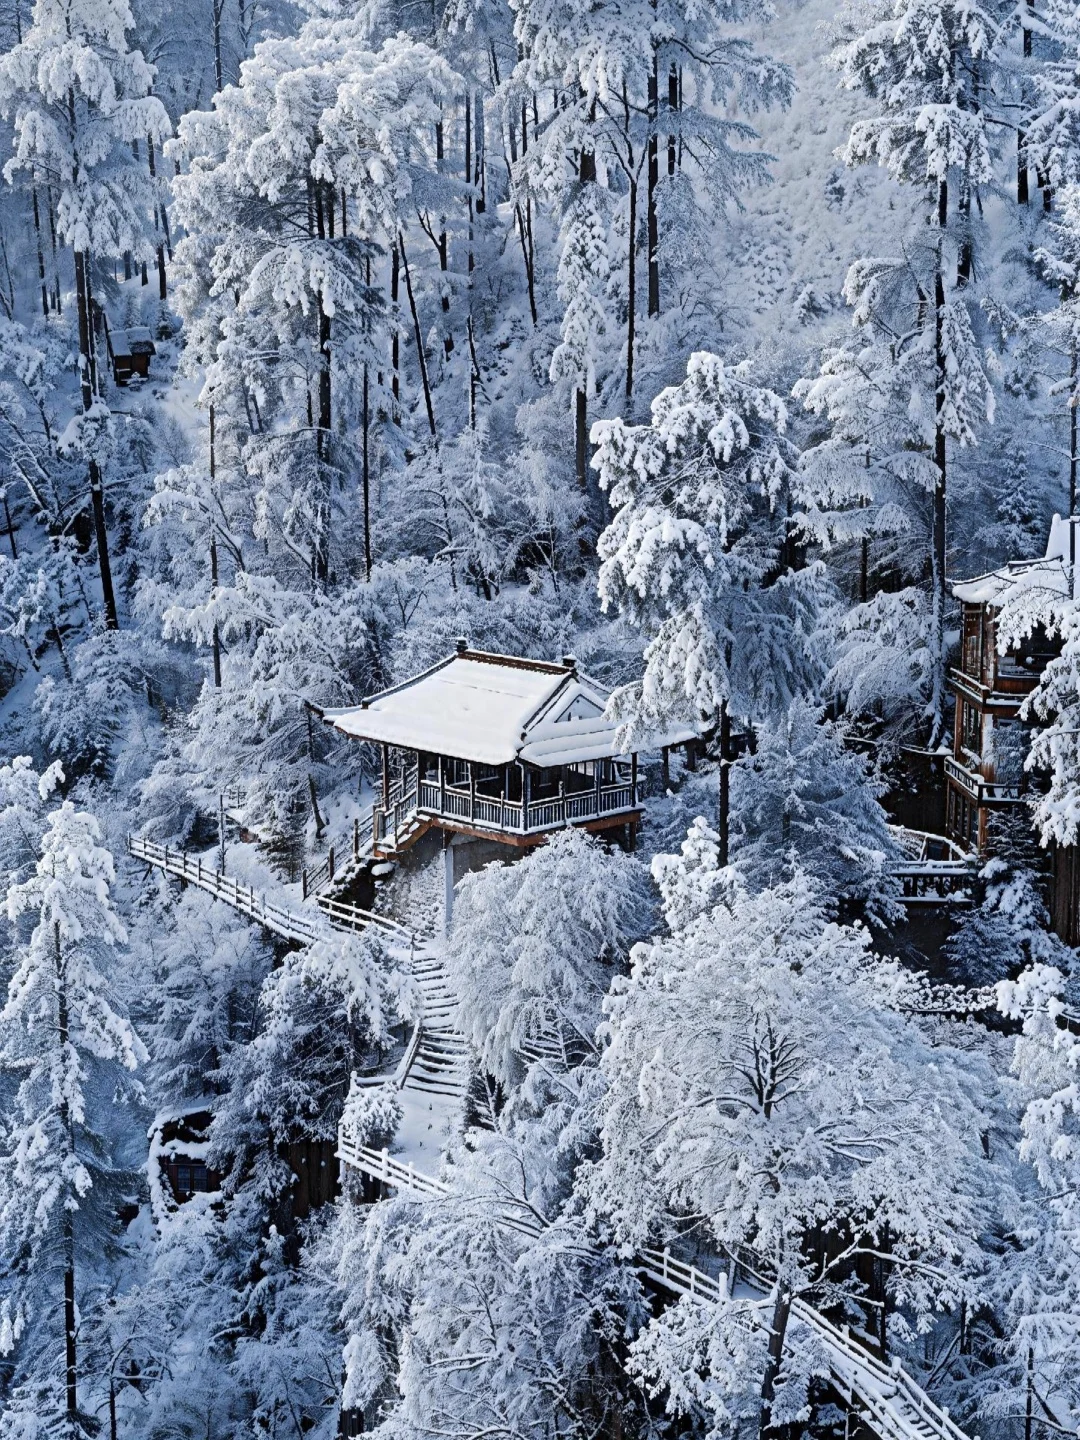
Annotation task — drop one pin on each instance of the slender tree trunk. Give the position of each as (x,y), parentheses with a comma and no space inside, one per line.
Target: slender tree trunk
(586,176)
(395,335)
(443,245)
(219,74)
(10,531)
(366,422)
(40,253)
(724,809)
(1072,438)
(97,496)
(938,539)
(480,177)
(52,242)
(777,1332)
(421,358)
(631,292)
(216,639)
(652,222)
(525,232)
(159,213)
(63,1037)
(673,106)
(581,437)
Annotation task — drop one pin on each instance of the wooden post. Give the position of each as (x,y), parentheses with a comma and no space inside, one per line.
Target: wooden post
(386,776)
(442,784)
(472,791)
(633,778)
(356,838)
(665,761)
(330,862)
(598,770)
(303,884)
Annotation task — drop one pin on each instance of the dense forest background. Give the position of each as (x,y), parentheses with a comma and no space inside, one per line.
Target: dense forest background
(706,342)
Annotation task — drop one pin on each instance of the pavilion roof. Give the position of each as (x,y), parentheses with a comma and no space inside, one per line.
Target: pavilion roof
(492,709)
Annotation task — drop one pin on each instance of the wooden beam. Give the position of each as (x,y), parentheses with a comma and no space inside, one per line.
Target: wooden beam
(385,775)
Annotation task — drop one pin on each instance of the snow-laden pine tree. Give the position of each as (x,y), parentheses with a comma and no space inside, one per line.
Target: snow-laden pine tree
(699,556)
(925,66)
(294,188)
(80,104)
(805,798)
(63,1033)
(758,1059)
(534,947)
(1044,1301)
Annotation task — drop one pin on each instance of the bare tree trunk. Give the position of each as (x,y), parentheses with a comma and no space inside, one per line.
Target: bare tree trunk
(68,1223)
(724,813)
(938,541)
(395,337)
(631,292)
(40,254)
(159,210)
(652,221)
(97,496)
(421,358)
(217,12)
(366,422)
(777,1332)
(216,640)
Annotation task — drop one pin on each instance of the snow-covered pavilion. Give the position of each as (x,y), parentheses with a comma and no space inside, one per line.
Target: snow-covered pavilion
(496,747)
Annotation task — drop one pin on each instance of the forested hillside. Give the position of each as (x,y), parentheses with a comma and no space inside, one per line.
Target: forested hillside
(668,361)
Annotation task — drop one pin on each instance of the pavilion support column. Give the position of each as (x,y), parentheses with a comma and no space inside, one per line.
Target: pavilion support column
(448,882)
(633,778)
(472,791)
(386,776)
(442,784)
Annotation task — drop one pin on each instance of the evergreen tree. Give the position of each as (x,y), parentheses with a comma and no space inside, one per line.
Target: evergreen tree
(80,101)
(925,63)
(61,1030)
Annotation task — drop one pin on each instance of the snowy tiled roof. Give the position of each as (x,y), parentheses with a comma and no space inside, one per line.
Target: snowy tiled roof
(491,709)
(1051,572)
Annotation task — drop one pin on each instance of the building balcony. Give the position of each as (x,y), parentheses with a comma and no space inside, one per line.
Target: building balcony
(981,790)
(425,801)
(1008,692)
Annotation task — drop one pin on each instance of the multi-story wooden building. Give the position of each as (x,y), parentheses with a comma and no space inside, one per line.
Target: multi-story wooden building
(985,772)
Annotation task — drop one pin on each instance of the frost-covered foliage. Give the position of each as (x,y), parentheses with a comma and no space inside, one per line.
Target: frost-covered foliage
(705,340)
(61,1034)
(757,1059)
(534,947)
(697,555)
(803,798)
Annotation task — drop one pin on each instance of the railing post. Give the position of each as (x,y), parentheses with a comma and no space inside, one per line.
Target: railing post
(330,863)
(356,837)
(303,884)
(667,1257)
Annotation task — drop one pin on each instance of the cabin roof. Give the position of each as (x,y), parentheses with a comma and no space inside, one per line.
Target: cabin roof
(134,340)
(1051,572)
(492,709)
(140,340)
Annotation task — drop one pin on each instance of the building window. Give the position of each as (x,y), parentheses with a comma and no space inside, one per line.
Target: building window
(971,728)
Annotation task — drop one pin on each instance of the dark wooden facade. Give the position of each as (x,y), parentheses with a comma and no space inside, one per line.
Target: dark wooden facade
(985,771)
